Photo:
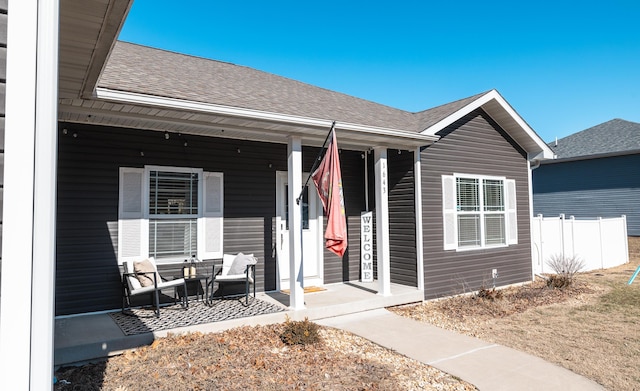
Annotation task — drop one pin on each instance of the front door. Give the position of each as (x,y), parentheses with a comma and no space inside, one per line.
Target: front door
(311,233)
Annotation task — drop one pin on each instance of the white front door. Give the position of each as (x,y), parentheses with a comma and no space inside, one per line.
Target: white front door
(311,232)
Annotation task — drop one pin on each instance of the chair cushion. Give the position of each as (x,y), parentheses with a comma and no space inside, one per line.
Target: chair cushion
(148,268)
(240,263)
(227,261)
(164,284)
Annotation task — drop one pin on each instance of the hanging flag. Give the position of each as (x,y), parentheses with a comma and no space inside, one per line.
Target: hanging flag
(328,180)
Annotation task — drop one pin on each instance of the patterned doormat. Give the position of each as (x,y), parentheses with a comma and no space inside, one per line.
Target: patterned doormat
(138,321)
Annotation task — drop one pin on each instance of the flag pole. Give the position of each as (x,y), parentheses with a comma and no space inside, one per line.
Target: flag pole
(315,163)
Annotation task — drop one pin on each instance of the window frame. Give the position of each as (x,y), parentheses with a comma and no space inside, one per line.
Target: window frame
(134,195)
(148,216)
(452,211)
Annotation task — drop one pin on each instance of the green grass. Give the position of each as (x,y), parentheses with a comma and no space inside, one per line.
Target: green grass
(622,298)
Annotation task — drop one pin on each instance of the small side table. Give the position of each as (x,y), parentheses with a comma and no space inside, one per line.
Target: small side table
(199,278)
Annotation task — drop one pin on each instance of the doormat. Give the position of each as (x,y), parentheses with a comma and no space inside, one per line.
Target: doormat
(143,320)
(308,289)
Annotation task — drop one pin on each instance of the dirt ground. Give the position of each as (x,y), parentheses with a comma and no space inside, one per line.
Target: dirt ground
(590,328)
(255,358)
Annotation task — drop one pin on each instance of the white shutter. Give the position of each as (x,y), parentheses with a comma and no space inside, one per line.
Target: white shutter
(132,229)
(210,225)
(511,210)
(449,224)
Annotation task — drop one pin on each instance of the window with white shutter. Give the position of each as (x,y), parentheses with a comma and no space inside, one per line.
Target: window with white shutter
(170,213)
(131,223)
(478,212)
(210,223)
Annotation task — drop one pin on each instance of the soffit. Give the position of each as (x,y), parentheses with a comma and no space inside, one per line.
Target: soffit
(498,108)
(88,30)
(312,132)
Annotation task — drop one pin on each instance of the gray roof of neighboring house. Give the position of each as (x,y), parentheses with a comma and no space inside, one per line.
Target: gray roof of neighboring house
(615,136)
(145,70)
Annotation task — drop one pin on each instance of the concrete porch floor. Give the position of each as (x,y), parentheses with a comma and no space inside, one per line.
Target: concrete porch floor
(89,337)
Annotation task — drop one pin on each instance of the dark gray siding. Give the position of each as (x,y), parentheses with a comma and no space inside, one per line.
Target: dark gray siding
(402,219)
(473,145)
(88,204)
(604,187)
(87,272)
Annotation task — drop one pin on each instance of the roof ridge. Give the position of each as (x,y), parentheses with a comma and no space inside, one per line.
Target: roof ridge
(472,97)
(612,136)
(119,41)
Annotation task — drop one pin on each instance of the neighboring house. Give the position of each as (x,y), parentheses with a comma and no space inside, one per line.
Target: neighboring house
(596,174)
(163,154)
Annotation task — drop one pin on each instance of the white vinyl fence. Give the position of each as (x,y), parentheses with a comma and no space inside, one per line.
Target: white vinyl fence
(600,243)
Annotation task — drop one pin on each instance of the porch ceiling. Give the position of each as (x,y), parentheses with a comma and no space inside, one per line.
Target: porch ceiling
(200,122)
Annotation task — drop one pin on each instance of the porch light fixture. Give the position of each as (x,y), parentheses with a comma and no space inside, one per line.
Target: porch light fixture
(166,135)
(141,153)
(184,139)
(238,150)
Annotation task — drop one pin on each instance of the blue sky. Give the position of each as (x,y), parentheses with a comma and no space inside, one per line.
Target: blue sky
(563,65)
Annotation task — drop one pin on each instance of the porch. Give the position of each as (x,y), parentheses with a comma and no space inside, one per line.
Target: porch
(94,336)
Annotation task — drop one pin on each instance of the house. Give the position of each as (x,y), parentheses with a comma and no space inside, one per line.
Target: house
(596,174)
(115,150)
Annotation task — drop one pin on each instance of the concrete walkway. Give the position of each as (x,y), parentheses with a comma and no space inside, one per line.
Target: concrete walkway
(485,365)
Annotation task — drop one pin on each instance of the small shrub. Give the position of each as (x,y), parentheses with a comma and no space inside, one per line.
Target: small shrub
(300,332)
(558,281)
(489,294)
(566,269)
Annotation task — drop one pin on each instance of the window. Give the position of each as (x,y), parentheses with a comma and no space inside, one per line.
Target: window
(478,211)
(170,213)
(173,214)
(305,207)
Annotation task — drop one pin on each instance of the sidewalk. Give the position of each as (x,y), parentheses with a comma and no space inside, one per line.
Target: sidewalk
(485,365)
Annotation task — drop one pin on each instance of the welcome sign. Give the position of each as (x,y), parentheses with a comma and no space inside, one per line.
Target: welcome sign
(366,246)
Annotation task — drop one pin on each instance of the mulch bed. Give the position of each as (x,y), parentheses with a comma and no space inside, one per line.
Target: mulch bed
(256,358)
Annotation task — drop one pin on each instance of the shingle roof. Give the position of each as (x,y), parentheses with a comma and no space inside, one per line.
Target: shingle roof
(135,68)
(140,69)
(431,116)
(613,136)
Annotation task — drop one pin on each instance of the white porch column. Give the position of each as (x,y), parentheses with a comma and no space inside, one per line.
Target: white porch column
(294,172)
(28,252)
(382,222)
(417,180)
